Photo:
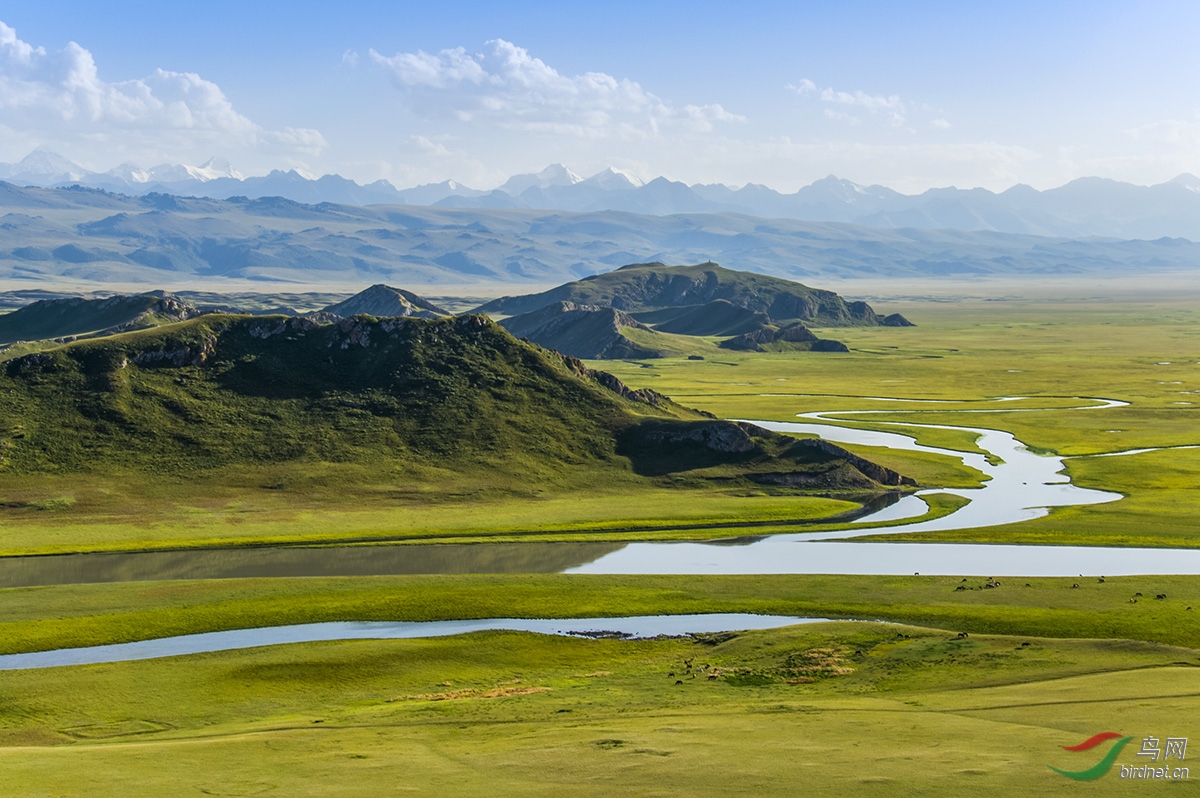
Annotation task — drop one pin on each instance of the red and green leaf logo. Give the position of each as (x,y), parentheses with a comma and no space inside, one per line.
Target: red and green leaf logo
(1106,762)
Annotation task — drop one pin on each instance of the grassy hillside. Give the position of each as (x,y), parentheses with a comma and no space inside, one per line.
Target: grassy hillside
(584,331)
(647,286)
(57,318)
(378,415)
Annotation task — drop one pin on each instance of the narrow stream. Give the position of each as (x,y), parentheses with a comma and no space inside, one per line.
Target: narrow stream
(628,627)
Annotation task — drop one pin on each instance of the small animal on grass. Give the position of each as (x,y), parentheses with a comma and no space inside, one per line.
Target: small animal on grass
(1133,601)
(962,635)
(672,673)
(1074,585)
(1161,596)
(1139,595)
(712,676)
(1025,644)
(678,681)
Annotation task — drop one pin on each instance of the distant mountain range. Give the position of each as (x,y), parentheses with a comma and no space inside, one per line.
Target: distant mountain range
(157,239)
(1089,206)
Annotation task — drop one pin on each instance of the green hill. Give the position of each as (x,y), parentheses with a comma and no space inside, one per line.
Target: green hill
(585,331)
(718,318)
(59,318)
(383,300)
(408,402)
(650,286)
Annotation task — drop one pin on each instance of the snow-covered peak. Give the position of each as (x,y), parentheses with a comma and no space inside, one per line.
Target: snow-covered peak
(44,163)
(615,179)
(553,175)
(213,169)
(1188,181)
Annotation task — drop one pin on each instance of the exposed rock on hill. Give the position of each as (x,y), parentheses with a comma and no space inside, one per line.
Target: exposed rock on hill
(583,331)
(650,286)
(895,320)
(383,300)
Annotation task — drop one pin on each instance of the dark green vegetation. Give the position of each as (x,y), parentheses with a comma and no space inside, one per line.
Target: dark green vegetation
(839,708)
(652,286)
(366,414)
(58,318)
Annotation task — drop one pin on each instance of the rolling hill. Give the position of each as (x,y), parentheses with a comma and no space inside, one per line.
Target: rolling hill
(59,318)
(651,286)
(583,331)
(383,300)
(406,401)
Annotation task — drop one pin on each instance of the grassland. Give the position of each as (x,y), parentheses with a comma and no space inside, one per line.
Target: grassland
(830,709)
(966,355)
(840,708)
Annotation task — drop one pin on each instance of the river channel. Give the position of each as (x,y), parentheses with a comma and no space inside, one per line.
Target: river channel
(1021,485)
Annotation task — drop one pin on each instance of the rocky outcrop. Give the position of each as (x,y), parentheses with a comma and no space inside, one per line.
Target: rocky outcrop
(610,382)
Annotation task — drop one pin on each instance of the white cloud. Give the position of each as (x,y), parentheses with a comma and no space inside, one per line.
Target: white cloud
(805,86)
(506,86)
(61,96)
(940,124)
(891,106)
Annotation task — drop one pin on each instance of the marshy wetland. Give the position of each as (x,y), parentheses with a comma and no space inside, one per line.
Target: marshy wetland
(985,677)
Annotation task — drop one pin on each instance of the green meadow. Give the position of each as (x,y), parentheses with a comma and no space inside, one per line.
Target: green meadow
(944,686)
(834,708)
(969,354)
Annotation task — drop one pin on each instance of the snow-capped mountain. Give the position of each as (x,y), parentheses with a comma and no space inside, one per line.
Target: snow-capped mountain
(1089,206)
(553,175)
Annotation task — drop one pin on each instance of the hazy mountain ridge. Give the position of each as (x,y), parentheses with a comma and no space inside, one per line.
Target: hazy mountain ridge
(95,235)
(1088,206)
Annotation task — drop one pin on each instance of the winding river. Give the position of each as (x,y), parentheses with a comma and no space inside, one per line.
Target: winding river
(1021,485)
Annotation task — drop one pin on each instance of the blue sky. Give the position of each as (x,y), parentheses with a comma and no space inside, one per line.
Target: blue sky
(907,95)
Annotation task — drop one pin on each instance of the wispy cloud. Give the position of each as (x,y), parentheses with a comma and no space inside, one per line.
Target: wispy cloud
(506,86)
(62,96)
(891,106)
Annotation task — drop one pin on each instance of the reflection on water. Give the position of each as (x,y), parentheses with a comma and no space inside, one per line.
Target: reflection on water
(635,626)
(1020,487)
(479,558)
